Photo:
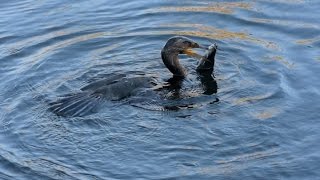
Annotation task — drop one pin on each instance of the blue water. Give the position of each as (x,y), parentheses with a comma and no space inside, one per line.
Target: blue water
(265,125)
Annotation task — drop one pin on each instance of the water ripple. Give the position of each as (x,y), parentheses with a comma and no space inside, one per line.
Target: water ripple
(261,123)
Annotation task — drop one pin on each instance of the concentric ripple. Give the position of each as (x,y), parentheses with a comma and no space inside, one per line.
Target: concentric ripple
(262,123)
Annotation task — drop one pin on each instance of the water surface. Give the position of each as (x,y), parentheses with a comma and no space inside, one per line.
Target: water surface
(265,125)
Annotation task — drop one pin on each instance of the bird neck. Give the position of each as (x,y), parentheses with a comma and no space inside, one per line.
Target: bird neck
(171,61)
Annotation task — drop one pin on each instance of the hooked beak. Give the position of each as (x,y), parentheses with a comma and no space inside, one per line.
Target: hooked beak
(196,45)
(191,53)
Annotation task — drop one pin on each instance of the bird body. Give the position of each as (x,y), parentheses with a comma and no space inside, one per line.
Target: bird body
(118,87)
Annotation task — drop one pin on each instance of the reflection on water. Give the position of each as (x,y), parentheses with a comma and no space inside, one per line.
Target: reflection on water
(218,7)
(280,59)
(257,117)
(215,33)
(267,113)
(308,41)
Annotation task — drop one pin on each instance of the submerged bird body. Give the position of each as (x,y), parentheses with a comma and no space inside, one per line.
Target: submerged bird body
(117,87)
(90,97)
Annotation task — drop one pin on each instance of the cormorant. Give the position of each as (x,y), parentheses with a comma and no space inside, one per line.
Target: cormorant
(117,87)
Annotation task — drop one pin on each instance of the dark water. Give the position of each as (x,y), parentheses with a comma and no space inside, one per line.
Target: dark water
(265,126)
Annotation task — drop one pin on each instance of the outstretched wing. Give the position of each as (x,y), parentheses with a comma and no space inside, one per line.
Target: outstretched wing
(76,104)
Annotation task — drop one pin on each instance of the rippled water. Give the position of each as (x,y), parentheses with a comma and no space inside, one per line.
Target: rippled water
(265,125)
